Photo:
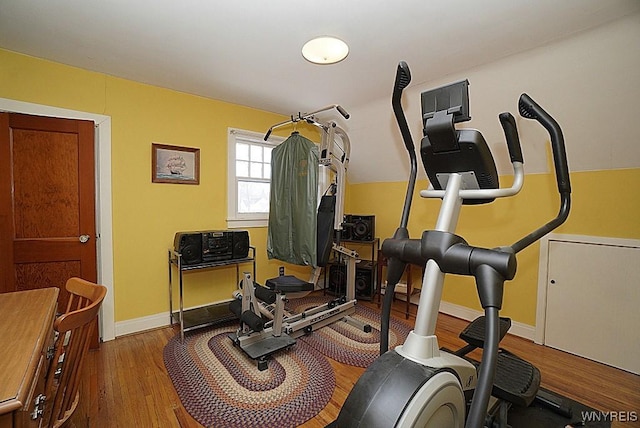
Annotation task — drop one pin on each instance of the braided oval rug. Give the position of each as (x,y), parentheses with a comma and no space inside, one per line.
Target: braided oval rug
(348,344)
(220,386)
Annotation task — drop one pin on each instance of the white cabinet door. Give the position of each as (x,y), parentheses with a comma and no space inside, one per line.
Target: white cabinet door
(593,302)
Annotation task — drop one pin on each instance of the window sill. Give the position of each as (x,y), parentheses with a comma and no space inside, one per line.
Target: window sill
(243,223)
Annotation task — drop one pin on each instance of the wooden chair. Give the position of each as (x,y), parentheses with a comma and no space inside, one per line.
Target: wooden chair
(73,329)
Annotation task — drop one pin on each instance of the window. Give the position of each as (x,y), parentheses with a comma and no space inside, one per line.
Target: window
(249,178)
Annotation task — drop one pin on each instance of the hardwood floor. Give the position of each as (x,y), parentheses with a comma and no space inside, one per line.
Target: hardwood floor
(126,385)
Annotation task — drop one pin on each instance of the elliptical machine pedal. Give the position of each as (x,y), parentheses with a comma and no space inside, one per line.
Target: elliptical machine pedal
(516,380)
(474,332)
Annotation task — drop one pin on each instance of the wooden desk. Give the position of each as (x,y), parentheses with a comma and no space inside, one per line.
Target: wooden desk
(26,331)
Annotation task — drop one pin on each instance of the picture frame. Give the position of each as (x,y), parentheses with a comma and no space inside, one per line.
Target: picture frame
(175,164)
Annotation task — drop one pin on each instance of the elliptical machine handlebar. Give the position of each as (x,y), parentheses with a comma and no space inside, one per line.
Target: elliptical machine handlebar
(508,123)
(529,109)
(395,266)
(403,78)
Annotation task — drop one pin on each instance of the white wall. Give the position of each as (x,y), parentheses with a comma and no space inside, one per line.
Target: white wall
(588,82)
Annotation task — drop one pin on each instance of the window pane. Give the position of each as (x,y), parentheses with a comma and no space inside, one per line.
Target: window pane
(267,154)
(267,171)
(256,153)
(242,169)
(256,170)
(253,197)
(242,151)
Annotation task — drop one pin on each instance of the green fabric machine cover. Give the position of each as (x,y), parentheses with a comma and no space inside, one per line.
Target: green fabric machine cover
(293,202)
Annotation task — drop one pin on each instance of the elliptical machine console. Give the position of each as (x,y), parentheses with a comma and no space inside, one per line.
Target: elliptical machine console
(417,384)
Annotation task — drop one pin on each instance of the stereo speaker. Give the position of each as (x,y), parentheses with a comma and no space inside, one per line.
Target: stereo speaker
(364,283)
(190,246)
(361,227)
(240,244)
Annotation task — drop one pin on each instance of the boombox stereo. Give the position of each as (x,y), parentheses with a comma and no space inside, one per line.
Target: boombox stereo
(211,246)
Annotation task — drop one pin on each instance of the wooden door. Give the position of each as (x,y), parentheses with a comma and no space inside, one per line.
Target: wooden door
(47,202)
(592,302)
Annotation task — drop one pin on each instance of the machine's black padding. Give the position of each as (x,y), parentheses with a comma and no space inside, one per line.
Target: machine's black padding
(326,214)
(255,322)
(288,284)
(508,123)
(343,112)
(265,294)
(235,307)
(381,394)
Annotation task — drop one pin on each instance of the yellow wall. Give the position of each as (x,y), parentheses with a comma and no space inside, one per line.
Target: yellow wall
(604,203)
(146,215)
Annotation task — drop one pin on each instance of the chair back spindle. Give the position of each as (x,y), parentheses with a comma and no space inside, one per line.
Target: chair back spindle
(73,329)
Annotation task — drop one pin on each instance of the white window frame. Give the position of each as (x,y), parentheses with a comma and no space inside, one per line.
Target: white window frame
(234,218)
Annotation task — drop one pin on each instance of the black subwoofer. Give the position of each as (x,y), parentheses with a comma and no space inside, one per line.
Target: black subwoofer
(364,283)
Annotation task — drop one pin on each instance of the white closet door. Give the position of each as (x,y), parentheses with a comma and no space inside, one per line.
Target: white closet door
(593,302)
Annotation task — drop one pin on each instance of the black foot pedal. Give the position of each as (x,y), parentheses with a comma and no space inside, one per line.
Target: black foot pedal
(474,333)
(517,381)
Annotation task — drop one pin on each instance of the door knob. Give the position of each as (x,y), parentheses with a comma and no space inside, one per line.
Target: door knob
(83,238)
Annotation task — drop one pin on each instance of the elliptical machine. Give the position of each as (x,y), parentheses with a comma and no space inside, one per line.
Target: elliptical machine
(417,384)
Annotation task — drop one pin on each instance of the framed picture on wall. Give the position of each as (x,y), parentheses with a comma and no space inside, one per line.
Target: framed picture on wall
(175,164)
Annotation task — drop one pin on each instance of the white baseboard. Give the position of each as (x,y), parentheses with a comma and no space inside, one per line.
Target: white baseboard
(150,322)
(517,329)
(137,325)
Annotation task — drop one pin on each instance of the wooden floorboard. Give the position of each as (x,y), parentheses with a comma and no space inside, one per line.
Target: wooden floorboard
(126,385)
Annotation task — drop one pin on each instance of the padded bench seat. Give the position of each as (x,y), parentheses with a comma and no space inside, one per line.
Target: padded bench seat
(288,284)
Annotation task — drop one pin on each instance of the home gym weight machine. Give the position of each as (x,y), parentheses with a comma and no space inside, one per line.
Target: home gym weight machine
(265,325)
(417,384)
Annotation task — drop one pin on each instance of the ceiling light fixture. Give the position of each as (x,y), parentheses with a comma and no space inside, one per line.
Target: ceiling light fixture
(325,50)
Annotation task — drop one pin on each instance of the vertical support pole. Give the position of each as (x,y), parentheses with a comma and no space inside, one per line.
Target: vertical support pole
(351,278)
(170,291)
(433,279)
(179,257)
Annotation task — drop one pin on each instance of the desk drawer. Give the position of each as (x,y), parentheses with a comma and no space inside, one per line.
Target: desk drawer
(32,414)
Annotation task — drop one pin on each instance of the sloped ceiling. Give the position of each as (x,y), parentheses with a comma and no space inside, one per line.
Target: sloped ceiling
(248,52)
